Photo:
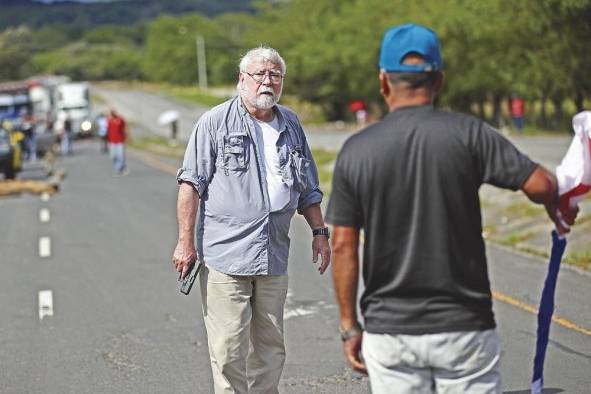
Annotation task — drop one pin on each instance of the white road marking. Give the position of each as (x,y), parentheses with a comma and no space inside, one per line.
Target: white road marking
(44,215)
(45,304)
(44,247)
(300,311)
(292,310)
(44,196)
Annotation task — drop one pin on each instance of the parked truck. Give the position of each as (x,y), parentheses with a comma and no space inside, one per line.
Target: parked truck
(72,100)
(14,103)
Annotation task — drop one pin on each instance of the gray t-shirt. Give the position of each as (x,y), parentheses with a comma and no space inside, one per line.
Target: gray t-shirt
(411,182)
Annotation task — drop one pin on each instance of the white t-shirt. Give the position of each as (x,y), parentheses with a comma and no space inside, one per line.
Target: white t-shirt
(279,192)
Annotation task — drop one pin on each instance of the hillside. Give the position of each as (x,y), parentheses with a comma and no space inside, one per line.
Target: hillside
(78,15)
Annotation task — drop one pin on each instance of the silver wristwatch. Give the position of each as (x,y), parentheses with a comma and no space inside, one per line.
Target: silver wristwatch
(350,333)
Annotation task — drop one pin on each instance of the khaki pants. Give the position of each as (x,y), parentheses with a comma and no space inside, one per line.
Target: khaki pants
(244,321)
(444,363)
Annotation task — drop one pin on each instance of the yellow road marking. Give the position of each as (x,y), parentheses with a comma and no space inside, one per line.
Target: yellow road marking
(528,308)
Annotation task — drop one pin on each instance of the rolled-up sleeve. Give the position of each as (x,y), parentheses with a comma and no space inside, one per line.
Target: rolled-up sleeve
(200,156)
(312,194)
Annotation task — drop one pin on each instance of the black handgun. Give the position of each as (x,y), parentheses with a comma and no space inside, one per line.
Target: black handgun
(187,283)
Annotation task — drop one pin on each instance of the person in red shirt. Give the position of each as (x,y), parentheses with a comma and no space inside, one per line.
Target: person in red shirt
(360,110)
(517,111)
(116,135)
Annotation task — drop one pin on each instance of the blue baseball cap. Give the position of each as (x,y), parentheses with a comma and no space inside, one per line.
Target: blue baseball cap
(401,40)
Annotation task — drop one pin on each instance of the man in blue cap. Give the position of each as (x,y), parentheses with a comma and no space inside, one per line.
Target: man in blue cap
(411,183)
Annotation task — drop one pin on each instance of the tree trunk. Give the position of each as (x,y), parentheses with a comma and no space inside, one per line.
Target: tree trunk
(579,101)
(558,112)
(481,111)
(497,113)
(544,112)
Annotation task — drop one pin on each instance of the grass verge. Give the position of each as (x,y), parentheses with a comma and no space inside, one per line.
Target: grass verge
(188,94)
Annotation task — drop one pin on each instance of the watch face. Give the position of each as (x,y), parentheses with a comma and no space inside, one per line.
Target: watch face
(350,333)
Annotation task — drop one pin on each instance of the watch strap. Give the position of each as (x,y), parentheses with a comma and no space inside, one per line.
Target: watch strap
(321,231)
(350,333)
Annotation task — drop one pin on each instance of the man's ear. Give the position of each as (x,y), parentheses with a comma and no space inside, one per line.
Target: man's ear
(385,87)
(438,85)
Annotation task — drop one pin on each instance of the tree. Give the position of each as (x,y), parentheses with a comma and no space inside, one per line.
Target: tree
(15,53)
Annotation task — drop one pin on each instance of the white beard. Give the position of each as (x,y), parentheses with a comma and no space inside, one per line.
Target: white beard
(263,101)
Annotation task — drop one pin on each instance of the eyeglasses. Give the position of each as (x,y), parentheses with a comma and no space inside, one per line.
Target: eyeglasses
(274,77)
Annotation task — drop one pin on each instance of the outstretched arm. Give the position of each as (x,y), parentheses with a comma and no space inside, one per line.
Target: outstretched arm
(345,271)
(184,254)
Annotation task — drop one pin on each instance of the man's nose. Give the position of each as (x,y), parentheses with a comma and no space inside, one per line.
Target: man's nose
(267,79)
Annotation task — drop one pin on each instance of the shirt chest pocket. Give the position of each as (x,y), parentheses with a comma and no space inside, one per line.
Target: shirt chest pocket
(300,165)
(235,151)
(295,166)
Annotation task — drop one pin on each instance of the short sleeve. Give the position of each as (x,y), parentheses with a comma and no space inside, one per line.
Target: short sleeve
(499,162)
(343,206)
(199,159)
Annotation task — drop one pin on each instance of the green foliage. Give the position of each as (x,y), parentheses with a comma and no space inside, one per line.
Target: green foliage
(51,37)
(171,53)
(492,48)
(15,53)
(82,61)
(90,15)
(113,34)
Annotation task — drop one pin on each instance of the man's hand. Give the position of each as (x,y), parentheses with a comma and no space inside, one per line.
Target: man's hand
(563,217)
(542,187)
(321,247)
(352,348)
(183,258)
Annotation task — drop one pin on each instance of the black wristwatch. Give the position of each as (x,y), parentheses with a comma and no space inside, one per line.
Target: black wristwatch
(321,231)
(350,333)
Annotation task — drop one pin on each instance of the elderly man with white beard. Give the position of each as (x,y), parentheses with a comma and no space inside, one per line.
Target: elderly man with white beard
(247,169)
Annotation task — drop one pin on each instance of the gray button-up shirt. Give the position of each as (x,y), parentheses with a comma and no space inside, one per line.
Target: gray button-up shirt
(236,232)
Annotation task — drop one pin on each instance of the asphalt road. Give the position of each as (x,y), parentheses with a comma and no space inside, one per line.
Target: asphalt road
(101,312)
(117,322)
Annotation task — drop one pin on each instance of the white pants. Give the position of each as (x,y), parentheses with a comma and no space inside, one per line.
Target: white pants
(244,321)
(118,155)
(452,362)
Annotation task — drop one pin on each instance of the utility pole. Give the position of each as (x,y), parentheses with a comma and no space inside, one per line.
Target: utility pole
(201,62)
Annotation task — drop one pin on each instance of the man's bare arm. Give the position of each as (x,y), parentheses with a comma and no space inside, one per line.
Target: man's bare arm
(313,215)
(345,272)
(184,254)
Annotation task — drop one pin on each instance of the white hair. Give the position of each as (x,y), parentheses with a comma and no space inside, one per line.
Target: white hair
(265,53)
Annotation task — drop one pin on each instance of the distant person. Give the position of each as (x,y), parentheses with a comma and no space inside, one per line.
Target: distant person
(116,136)
(246,171)
(517,112)
(174,126)
(411,183)
(28,127)
(66,134)
(102,124)
(359,109)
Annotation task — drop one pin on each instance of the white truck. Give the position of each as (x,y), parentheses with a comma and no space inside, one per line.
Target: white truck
(72,100)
